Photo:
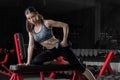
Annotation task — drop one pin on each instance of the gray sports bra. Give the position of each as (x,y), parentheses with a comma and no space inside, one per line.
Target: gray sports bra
(43,34)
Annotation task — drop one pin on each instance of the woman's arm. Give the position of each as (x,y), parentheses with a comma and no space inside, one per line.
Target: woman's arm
(30,48)
(52,23)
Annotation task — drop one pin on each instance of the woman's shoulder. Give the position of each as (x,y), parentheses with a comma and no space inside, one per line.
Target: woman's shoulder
(48,22)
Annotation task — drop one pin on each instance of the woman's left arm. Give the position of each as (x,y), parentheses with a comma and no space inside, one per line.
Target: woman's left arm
(52,23)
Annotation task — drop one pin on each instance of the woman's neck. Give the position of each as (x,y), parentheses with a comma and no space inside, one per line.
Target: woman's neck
(37,24)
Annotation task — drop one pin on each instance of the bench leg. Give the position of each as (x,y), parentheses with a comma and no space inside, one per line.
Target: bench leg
(16,76)
(41,75)
(52,75)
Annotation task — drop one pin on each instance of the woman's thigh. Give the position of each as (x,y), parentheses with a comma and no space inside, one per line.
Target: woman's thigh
(44,56)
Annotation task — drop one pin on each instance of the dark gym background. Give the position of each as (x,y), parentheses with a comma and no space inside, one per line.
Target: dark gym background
(90,21)
(87,19)
(93,23)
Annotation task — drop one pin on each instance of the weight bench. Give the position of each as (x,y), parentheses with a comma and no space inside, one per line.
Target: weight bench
(19,70)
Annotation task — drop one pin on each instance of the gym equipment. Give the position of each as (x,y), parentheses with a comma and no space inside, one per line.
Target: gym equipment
(107,55)
(5,52)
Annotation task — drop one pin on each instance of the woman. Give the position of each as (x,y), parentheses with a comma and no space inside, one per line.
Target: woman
(40,31)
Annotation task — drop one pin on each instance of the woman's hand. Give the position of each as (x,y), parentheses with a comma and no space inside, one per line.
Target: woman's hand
(24,64)
(63,43)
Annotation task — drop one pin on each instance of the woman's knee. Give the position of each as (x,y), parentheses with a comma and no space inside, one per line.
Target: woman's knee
(36,61)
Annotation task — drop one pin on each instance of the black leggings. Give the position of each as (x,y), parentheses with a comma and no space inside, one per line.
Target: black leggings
(52,54)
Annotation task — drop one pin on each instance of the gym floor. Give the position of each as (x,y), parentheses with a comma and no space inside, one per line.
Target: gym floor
(36,77)
(60,77)
(30,77)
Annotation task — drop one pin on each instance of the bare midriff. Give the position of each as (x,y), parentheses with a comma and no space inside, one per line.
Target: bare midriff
(50,43)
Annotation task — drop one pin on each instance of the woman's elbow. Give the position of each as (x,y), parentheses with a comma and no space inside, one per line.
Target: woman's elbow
(66,25)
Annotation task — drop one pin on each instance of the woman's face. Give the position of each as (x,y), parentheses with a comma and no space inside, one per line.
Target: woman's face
(32,18)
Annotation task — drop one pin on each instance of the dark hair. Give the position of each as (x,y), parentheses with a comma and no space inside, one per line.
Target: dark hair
(29,10)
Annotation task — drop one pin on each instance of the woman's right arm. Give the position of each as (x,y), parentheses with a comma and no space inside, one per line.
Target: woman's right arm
(30,48)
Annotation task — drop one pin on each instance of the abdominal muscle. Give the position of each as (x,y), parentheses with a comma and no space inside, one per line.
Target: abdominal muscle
(50,43)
